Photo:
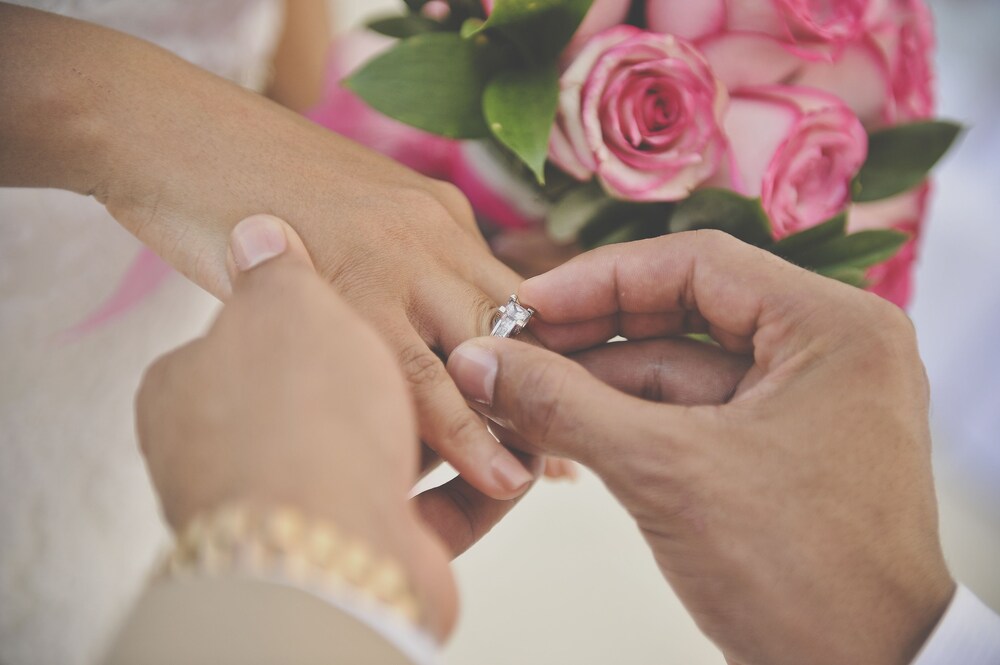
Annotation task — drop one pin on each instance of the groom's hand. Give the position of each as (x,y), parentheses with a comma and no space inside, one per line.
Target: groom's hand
(782,479)
(293,399)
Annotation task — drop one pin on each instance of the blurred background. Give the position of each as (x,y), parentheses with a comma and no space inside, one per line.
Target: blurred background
(566,578)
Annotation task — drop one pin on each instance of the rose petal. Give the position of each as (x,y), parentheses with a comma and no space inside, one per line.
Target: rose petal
(686,19)
(859,76)
(747,59)
(756,127)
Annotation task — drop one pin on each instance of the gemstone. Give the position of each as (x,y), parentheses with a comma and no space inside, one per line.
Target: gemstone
(513,317)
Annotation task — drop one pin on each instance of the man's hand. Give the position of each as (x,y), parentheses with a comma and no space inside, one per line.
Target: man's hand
(782,478)
(292,398)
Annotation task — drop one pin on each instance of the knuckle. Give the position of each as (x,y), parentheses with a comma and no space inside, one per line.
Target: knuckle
(421,367)
(466,509)
(715,240)
(483,311)
(463,427)
(545,383)
(452,198)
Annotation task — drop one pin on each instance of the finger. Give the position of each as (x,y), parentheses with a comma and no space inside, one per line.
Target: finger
(557,468)
(462,515)
(555,403)
(567,338)
(429,460)
(678,371)
(735,287)
(453,430)
(261,239)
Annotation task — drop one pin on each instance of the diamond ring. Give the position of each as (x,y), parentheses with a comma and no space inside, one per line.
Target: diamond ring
(513,317)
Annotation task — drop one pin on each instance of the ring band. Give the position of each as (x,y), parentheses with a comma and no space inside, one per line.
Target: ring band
(512,318)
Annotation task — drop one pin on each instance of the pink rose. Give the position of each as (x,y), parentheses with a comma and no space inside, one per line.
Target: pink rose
(643,112)
(905,33)
(893,279)
(883,72)
(797,149)
(804,22)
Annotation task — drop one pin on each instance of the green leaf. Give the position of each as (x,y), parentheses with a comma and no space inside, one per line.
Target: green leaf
(858,250)
(540,29)
(900,157)
(415,5)
(588,216)
(470,27)
(520,108)
(574,211)
(624,221)
(848,275)
(790,246)
(434,82)
(408,25)
(724,210)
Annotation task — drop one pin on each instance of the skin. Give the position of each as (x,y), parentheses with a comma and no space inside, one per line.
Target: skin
(178,156)
(270,408)
(782,478)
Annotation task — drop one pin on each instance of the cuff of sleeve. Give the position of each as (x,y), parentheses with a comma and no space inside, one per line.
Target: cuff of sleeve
(409,639)
(968,633)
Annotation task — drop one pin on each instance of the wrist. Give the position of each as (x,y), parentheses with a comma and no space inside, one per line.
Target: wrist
(288,546)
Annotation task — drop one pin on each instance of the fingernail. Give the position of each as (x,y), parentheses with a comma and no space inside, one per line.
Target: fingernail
(509,472)
(257,239)
(474,370)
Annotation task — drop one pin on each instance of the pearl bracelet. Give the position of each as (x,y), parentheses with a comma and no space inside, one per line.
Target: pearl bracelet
(282,544)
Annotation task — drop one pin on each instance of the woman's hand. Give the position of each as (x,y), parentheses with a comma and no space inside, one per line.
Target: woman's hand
(292,399)
(178,156)
(782,479)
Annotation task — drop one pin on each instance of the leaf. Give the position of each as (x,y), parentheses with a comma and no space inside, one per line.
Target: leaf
(415,5)
(853,276)
(858,250)
(470,27)
(520,109)
(588,216)
(434,82)
(724,210)
(540,29)
(574,211)
(623,221)
(791,245)
(900,157)
(408,25)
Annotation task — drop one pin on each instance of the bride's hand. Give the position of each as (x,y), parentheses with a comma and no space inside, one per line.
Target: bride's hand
(292,399)
(179,155)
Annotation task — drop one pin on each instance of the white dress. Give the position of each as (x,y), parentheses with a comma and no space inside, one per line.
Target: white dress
(79,525)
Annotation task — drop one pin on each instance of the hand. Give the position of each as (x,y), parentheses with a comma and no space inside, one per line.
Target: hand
(178,156)
(782,479)
(291,398)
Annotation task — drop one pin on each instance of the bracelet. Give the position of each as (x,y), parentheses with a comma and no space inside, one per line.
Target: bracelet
(280,543)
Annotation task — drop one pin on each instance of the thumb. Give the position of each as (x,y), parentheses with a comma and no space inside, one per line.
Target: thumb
(557,405)
(259,239)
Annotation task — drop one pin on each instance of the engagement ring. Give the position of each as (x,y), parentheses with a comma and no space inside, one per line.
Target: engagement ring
(512,319)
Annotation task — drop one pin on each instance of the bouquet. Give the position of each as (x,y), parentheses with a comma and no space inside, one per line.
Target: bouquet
(805,128)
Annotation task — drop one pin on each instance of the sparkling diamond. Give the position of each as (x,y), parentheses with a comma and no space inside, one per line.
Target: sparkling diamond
(513,317)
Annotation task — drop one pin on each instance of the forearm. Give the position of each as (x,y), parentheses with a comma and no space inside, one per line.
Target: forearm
(177,154)
(300,59)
